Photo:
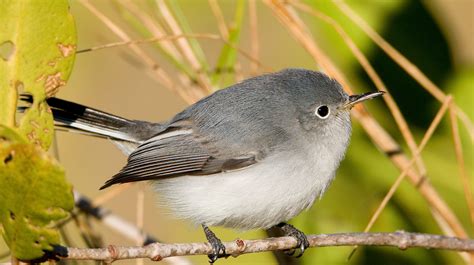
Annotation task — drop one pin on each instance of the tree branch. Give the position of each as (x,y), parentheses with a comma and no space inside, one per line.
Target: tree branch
(159,251)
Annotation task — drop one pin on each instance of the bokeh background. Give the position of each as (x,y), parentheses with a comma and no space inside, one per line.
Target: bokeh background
(436,35)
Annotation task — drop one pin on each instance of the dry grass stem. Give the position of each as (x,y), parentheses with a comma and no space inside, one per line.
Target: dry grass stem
(111,193)
(160,75)
(140,216)
(449,232)
(387,144)
(85,231)
(224,32)
(254,40)
(185,75)
(196,83)
(401,60)
(221,25)
(238,72)
(380,137)
(461,164)
(119,224)
(151,40)
(155,29)
(185,47)
(466,121)
(434,124)
(300,32)
(241,51)
(412,69)
(250,57)
(404,172)
(392,105)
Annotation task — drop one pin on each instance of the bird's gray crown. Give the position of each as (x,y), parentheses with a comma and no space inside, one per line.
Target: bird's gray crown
(310,87)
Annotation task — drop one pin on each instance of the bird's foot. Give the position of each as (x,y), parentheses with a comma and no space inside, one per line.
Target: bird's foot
(300,237)
(216,243)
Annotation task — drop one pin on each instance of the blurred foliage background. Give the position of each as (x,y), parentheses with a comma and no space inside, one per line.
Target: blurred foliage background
(436,35)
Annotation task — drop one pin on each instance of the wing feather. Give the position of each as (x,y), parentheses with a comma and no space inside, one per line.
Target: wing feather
(176,155)
(177,152)
(161,158)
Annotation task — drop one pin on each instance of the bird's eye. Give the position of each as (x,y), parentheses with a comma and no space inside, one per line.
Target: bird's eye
(322,112)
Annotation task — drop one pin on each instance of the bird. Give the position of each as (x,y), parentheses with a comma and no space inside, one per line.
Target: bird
(250,156)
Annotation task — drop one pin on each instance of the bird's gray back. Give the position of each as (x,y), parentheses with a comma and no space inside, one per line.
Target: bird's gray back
(260,112)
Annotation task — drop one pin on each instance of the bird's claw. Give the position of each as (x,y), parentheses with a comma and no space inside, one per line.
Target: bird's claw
(301,239)
(216,244)
(218,251)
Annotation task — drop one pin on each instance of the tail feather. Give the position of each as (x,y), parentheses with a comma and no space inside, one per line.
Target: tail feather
(72,116)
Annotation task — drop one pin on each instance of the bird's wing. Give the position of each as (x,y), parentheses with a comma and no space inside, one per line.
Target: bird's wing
(177,152)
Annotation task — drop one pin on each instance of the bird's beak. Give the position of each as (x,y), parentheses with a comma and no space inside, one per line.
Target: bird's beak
(354,99)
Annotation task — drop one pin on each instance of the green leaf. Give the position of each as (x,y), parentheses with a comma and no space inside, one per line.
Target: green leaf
(34,195)
(37,51)
(39,43)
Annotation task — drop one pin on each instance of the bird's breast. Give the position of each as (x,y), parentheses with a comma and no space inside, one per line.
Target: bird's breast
(274,190)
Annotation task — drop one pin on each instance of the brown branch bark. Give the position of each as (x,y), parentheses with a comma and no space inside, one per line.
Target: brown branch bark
(159,251)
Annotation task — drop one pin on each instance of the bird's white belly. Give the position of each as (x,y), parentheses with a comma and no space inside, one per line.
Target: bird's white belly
(260,196)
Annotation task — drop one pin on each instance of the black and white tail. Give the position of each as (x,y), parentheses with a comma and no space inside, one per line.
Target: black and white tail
(75,117)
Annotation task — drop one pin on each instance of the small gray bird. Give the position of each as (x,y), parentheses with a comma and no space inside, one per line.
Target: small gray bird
(253,155)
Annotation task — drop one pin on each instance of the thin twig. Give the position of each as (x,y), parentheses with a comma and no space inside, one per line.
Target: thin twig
(302,34)
(221,25)
(158,251)
(254,40)
(185,74)
(364,62)
(377,133)
(448,231)
(160,75)
(401,60)
(111,220)
(111,193)
(83,231)
(151,26)
(120,225)
(461,165)
(185,47)
(150,40)
(154,28)
(140,214)
(172,37)
(140,217)
(434,124)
